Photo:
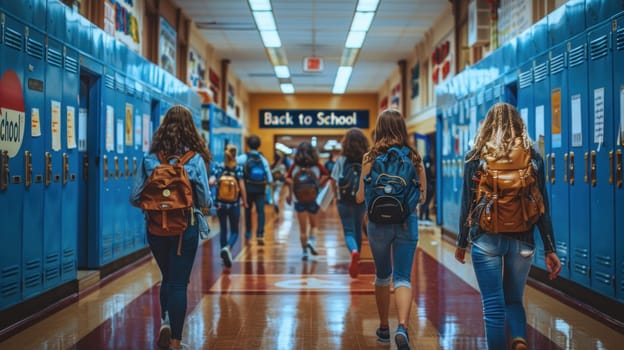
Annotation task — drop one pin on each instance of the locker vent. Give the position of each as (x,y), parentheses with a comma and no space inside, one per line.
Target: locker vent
(9,289)
(120,86)
(577,55)
(52,259)
(619,39)
(10,281)
(13,39)
(598,48)
(34,49)
(602,277)
(32,281)
(480,97)
(71,64)
(525,79)
(68,267)
(130,89)
(541,72)
(581,269)
(488,94)
(68,254)
(33,265)
(498,91)
(55,58)
(109,81)
(557,64)
(51,274)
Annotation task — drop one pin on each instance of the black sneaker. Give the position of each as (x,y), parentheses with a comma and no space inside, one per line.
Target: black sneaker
(383,335)
(402,339)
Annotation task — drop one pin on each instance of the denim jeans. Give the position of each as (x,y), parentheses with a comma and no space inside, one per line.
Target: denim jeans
(258,200)
(393,247)
(352,217)
(229,215)
(495,256)
(176,272)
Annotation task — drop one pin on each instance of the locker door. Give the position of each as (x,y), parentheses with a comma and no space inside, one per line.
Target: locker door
(53,164)
(557,137)
(578,171)
(618,157)
(106,153)
(119,223)
(70,163)
(541,128)
(12,133)
(34,160)
(440,169)
(601,145)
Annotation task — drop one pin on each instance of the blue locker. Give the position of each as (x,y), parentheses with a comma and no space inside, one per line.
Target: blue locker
(131,111)
(440,173)
(578,171)
(70,163)
(557,137)
(525,80)
(106,175)
(18,9)
(618,86)
(117,155)
(598,11)
(32,263)
(600,158)
(12,134)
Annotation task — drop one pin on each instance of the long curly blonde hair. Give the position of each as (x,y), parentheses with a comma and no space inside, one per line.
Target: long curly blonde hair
(502,126)
(230,156)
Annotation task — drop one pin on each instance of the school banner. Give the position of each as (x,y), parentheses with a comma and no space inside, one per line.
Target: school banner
(307,118)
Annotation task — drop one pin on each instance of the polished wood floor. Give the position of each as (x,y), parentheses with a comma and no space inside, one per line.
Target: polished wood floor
(271,299)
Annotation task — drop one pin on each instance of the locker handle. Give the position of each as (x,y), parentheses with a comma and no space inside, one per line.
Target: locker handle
(4,171)
(116,162)
(586,157)
(134,168)
(618,168)
(592,161)
(28,169)
(611,167)
(552,168)
(48,169)
(571,168)
(127,166)
(65,168)
(85,167)
(565,166)
(105,166)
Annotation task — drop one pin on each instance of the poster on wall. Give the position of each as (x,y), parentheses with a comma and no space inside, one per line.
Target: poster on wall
(442,65)
(196,69)
(123,20)
(167,47)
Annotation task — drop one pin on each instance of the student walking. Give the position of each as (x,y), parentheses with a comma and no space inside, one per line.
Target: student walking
(499,220)
(346,180)
(304,178)
(257,174)
(230,183)
(281,164)
(176,138)
(392,244)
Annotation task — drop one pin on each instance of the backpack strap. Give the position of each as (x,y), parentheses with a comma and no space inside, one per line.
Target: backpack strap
(186,157)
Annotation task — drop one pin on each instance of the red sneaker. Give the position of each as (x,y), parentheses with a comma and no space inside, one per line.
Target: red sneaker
(353,267)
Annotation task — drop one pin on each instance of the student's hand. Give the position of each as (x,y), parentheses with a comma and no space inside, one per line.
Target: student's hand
(553,265)
(245,205)
(460,255)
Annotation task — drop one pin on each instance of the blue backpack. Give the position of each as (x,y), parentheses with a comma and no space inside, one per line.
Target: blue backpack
(255,176)
(392,188)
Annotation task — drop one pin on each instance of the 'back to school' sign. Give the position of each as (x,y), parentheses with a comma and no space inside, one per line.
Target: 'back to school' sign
(298,118)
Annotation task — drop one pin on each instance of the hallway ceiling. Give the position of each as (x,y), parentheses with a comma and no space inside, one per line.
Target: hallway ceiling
(313,28)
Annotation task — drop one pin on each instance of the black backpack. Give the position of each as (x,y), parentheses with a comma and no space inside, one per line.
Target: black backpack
(392,188)
(255,175)
(305,185)
(349,181)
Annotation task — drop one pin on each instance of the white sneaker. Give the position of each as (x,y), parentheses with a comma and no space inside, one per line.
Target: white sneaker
(226,256)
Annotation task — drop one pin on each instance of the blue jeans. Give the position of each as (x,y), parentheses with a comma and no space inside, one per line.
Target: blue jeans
(352,217)
(231,215)
(176,272)
(494,256)
(258,200)
(393,247)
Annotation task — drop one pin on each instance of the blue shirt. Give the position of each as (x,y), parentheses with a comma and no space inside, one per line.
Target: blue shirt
(195,169)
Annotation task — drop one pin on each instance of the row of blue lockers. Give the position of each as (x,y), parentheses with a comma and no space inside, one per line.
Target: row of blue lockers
(565,74)
(78,112)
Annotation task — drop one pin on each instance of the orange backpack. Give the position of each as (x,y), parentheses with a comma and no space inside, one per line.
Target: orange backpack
(227,187)
(508,197)
(167,197)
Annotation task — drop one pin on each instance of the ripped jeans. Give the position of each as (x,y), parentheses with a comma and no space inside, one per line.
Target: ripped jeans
(502,266)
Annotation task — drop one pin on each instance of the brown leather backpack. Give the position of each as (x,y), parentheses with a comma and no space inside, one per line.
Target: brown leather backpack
(508,197)
(167,197)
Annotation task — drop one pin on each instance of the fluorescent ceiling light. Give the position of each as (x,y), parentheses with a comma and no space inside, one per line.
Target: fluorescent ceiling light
(342,79)
(264,20)
(366,5)
(287,88)
(270,38)
(355,40)
(260,5)
(362,21)
(282,71)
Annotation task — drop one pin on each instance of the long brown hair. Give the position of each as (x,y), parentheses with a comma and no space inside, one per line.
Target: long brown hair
(354,145)
(390,131)
(502,126)
(178,134)
(306,154)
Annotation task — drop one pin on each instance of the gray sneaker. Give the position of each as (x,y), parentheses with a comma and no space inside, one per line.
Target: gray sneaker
(226,256)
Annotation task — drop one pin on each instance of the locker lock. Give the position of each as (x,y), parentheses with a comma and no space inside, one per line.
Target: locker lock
(571,169)
(85,167)
(552,168)
(127,167)
(565,166)
(48,169)
(586,158)
(116,162)
(4,170)
(28,169)
(611,167)
(134,166)
(592,161)
(65,168)
(618,168)
(105,166)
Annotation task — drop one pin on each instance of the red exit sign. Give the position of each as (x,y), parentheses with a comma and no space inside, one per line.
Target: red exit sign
(313,64)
